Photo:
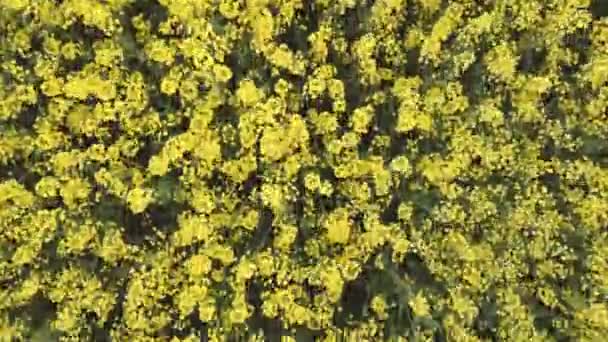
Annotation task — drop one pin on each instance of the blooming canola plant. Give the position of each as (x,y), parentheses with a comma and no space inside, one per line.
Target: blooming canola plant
(359,170)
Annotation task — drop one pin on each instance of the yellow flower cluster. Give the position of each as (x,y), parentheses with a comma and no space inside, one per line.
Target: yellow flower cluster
(402,170)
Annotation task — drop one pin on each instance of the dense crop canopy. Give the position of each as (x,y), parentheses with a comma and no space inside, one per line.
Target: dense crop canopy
(420,170)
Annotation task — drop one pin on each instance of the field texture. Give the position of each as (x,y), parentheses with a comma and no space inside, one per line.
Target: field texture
(298,170)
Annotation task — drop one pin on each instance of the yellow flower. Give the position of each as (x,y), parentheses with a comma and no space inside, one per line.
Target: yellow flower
(430,6)
(48,187)
(333,282)
(339,106)
(17,5)
(502,62)
(265,263)
(338,226)
(282,87)
(191,230)
(263,29)
(239,314)
(76,88)
(401,164)
(250,220)
(286,237)
(361,119)
(158,165)
(273,196)
(411,118)
(491,115)
(199,265)
(27,290)
(400,248)
(80,88)
(222,253)
(52,87)
(326,188)
(282,57)
(379,306)
(336,89)
(248,94)
(25,254)
(405,211)
(78,239)
(169,85)
(113,248)
(189,297)
(325,123)
(160,52)
(206,310)
(222,73)
(315,87)
(229,9)
(312,181)
(274,144)
(419,306)
(75,190)
(203,201)
(139,199)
